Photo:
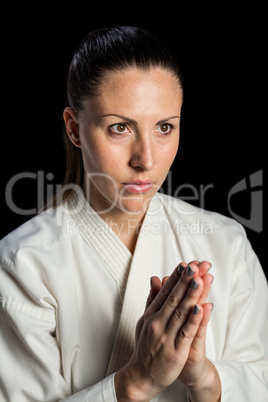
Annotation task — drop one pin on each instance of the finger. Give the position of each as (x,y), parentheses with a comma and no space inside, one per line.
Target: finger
(166,288)
(199,341)
(184,274)
(196,262)
(188,331)
(156,285)
(164,280)
(204,267)
(207,281)
(180,313)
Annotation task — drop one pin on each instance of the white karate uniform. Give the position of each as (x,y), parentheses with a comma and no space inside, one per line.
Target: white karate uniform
(71,294)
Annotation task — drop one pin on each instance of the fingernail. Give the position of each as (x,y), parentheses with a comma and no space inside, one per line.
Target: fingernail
(151,281)
(212,306)
(189,271)
(180,269)
(194,284)
(195,310)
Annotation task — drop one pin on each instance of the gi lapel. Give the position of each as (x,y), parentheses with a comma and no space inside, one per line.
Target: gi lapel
(101,238)
(138,286)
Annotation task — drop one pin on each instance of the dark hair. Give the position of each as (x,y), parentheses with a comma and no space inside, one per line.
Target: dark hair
(101,51)
(113,49)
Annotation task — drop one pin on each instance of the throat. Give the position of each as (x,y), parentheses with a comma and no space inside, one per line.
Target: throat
(127,231)
(129,240)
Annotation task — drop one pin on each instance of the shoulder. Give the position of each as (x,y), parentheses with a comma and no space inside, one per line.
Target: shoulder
(41,232)
(185,212)
(207,228)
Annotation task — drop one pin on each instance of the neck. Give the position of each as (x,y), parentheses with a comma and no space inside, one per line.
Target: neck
(125,225)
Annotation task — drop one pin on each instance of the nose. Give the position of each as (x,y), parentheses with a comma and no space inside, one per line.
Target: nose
(142,157)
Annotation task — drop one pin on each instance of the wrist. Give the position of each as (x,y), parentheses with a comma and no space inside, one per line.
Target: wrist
(130,386)
(207,388)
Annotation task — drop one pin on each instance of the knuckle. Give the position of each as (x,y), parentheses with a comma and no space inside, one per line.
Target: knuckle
(163,339)
(172,300)
(147,315)
(164,291)
(148,301)
(160,343)
(154,328)
(179,315)
(184,335)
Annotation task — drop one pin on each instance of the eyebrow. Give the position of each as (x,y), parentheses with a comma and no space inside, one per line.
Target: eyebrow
(135,122)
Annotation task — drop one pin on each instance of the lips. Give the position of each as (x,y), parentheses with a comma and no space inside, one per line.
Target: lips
(138,186)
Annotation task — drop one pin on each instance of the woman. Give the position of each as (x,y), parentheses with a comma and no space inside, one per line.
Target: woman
(76,319)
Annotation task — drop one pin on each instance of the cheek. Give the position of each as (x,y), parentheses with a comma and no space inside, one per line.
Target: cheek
(100,158)
(167,156)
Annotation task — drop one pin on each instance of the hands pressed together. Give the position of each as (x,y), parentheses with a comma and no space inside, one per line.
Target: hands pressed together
(170,339)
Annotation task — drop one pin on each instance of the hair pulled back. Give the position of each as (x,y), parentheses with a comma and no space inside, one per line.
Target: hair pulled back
(113,49)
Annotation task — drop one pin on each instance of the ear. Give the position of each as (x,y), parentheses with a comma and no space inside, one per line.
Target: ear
(72,126)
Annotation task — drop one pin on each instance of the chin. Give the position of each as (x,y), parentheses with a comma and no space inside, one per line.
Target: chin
(135,205)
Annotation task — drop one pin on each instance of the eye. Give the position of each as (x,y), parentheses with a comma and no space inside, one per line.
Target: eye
(119,128)
(164,128)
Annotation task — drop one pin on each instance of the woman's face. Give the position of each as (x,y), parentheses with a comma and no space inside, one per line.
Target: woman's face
(129,137)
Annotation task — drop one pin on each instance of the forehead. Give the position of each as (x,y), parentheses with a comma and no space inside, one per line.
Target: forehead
(135,91)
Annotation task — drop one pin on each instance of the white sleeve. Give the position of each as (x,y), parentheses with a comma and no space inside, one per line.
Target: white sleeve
(31,368)
(243,368)
(104,391)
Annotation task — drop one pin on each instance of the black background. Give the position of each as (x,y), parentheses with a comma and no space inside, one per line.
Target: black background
(221,52)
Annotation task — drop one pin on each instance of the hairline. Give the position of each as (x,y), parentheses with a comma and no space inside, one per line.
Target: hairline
(127,66)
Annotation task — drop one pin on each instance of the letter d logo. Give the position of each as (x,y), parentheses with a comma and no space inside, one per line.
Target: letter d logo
(256,197)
